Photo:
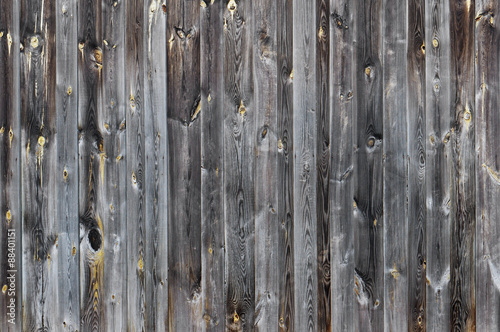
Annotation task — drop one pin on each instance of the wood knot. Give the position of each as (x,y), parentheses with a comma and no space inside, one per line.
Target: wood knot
(95,239)
(34,42)
(231,6)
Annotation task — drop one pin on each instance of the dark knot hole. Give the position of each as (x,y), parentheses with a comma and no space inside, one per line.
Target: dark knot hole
(95,239)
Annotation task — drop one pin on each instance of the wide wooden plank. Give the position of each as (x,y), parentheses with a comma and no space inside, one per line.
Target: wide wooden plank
(416,254)
(39,139)
(305,108)
(285,208)
(112,176)
(91,166)
(487,119)
(184,166)
(438,164)
(10,170)
(463,204)
(212,161)
(239,164)
(341,174)
(155,130)
(395,167)
(66,171)
(368,167)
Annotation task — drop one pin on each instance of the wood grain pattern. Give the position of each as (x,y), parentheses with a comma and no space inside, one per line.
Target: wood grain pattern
(487,120)
(10,170)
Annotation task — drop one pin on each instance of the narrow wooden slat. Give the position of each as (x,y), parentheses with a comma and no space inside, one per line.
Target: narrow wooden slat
(265,167)
(487,119)
(66,172)
(395,167)
(39,140)
(155,130)
(305,34)
(341,174)
(91,166)
(10,170)
(112,176)
(285,163)
(184,166)
(438,164)
(368,167)
(212,158)
(323,163)
(463,204)
(239,160)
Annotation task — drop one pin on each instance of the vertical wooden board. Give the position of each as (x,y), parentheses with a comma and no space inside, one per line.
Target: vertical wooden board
(66,171)
(155,129)
(395,161)
(91,165)
(285,208)
(265,167)
(487,118)
(416,167)
(239,161)
(136,184)
(184,167)
(368,168)
(438,164)
(463,204)
(323,163)
(212,150)
(40,139)
(112,173)
(341,174)
(305,170)
(10,170)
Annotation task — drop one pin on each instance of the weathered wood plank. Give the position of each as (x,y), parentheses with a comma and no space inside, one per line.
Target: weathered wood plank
(416,254)
(155,129)
(395,167)
(265,167)
(487,118)
(39,138)
(285,208)
(239,165)
(10,170)
(463,205)
(323,163)
(91,165)
(112,196)
(66,171)
(184,177)
(341,174)
(305,35)
(212,158)
(368,167)
(438,164)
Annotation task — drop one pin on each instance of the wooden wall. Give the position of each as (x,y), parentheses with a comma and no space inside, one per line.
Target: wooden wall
(241,165)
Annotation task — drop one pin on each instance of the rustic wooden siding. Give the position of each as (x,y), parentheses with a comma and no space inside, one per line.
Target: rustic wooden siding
(238,165)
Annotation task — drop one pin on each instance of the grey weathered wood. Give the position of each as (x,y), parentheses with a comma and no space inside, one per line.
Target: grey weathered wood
(368,167)
(10,170)
(184,177)
(487,119)
(155,124)
(463,204)
(285,163)
(212,158)
(113,174)
(395,157)
(438,164)
(416,255)
(305,107)
(39,140)
(240,110)
(67,312)
(341,174)
(266,174)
